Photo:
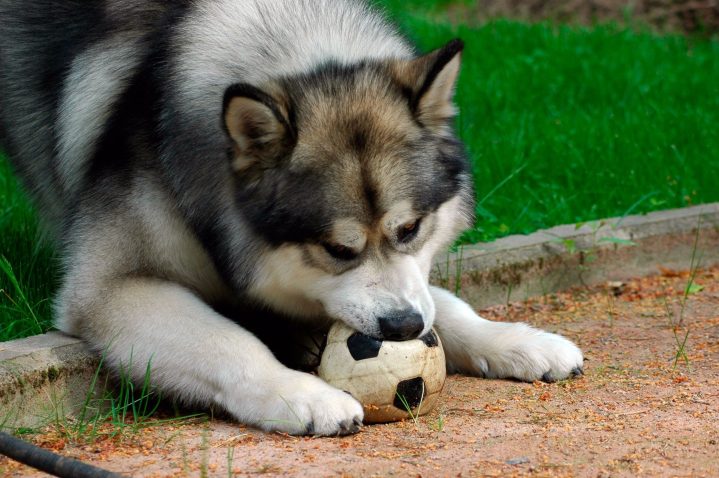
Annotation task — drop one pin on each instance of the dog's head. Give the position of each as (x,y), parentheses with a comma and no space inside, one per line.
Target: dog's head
(353,177)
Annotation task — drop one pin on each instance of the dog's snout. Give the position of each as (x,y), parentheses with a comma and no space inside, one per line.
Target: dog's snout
(403,325)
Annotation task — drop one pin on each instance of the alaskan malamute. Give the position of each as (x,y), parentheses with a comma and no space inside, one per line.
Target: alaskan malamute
(210,167)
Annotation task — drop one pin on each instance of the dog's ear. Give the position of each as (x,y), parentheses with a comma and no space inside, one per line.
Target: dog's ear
(258,126)
(431,80)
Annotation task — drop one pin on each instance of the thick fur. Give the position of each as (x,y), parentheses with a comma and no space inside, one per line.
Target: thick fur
(215,167)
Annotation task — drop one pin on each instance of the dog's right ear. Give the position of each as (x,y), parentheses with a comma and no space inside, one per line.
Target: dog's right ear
(430,80)
(258,127)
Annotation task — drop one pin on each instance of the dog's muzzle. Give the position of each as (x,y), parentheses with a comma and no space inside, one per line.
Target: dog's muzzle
(402,325)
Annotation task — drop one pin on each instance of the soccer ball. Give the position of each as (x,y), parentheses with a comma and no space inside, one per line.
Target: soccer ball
(392,380)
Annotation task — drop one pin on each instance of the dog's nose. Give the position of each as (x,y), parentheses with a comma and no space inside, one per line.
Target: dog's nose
(403,325)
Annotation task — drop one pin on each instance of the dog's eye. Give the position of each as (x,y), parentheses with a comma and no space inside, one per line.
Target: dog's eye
(408,231)
(339,251)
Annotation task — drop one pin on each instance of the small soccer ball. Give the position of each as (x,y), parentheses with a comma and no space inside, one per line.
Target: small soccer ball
(392,380)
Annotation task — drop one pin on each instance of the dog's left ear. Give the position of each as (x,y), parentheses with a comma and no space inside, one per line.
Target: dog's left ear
(257,124)
(431,79)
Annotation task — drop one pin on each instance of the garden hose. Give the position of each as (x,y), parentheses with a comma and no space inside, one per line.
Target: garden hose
(48,461)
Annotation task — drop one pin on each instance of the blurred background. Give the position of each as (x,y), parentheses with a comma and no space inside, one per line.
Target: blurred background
(574,110)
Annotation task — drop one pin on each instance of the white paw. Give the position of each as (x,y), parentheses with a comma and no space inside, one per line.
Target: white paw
(302,404)
(516,350)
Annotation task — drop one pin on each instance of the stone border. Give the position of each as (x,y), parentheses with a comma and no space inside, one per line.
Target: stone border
(43,378)
(49,375)
(520,267)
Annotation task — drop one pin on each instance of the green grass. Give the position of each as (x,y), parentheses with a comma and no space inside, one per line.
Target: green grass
(28,270)
(567,124)
(563,124)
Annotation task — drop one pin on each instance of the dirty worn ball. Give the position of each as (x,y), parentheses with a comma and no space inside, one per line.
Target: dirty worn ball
(387,378)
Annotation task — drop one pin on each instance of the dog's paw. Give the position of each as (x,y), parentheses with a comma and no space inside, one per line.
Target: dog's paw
(519,351)
(302,404)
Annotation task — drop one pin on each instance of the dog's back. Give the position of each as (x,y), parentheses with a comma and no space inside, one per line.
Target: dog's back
(58,84)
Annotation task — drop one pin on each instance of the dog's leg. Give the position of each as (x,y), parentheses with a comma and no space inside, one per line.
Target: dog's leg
(203,358)
(481,347)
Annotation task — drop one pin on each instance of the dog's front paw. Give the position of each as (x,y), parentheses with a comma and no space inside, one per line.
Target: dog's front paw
(301,404)
(519,351)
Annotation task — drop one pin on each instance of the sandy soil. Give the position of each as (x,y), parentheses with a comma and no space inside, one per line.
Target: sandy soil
(632,414)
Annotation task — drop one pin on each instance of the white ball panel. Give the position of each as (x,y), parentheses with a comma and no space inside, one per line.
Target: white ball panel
(373,381)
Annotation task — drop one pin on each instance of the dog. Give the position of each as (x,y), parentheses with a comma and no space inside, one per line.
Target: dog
(212,167)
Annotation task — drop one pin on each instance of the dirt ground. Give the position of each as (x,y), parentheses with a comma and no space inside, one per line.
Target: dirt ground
(689,16)
(632,414)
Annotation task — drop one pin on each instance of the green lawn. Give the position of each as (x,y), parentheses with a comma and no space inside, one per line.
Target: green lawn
(567,124)
(27,268)
(563,124)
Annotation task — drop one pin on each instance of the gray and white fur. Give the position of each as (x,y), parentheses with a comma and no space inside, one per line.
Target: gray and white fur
(215,169)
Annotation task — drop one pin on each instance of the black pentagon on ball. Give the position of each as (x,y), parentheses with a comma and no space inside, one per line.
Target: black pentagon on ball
(430,339)
(363,346)
(411,391)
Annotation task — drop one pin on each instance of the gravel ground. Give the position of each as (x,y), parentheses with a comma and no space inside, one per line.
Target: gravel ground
(632,414)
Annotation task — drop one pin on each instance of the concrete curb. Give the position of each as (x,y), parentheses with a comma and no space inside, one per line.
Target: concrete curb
(520,267)
(43,378)
(49,375)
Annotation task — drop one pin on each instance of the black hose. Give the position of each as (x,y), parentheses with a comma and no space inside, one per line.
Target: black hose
(48,461)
